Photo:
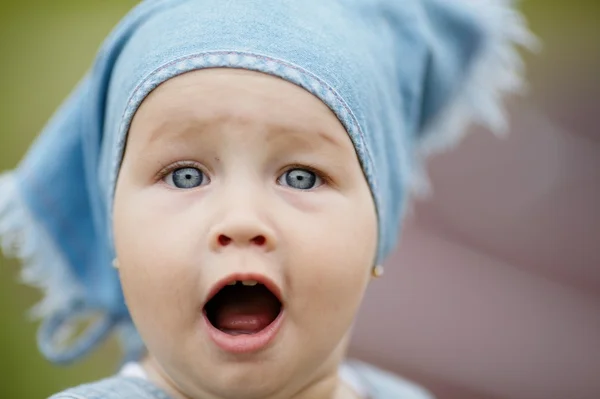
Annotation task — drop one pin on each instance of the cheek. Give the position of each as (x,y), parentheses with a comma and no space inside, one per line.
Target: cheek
(159,283)
(333,265)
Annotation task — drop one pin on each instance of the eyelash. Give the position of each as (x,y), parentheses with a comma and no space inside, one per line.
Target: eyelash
(190,164)
(178,165)
(323,176)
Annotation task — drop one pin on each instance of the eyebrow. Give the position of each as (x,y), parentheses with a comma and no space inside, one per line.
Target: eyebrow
(286,133)
(327,137)
(164,129)
(198,126)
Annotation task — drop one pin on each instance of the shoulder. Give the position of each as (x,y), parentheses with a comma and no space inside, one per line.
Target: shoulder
(383,384)
(117,387)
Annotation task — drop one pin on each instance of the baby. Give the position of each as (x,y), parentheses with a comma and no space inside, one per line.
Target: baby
(244,166)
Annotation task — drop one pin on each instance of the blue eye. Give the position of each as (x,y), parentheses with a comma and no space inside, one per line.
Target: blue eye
(185,178)
(301,179)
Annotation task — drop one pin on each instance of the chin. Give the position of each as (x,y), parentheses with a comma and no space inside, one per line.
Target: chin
(246,380)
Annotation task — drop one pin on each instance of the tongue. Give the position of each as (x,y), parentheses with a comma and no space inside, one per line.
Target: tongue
(246,310)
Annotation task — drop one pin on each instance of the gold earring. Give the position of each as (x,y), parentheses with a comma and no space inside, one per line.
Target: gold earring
(115,263)
(377,271)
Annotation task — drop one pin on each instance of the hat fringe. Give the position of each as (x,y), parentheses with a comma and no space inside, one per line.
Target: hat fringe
(498,71)
(43,266)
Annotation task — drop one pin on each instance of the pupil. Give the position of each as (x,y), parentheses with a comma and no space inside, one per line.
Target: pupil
(301,179)
(187,178)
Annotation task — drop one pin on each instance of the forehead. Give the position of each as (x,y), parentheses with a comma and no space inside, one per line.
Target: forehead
(215,97)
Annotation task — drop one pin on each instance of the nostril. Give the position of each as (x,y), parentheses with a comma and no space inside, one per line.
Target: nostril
(224,240)
(259,240)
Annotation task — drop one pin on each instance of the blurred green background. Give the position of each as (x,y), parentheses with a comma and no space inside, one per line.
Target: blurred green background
(46,46)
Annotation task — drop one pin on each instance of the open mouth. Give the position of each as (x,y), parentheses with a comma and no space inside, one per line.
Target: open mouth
(243,307)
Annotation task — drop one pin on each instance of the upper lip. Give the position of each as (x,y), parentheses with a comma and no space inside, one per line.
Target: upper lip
(261,279)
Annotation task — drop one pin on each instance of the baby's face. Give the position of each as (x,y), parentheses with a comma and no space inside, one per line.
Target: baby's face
(245,232)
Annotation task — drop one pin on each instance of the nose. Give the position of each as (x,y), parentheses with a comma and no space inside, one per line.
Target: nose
(258,240)
(242,229)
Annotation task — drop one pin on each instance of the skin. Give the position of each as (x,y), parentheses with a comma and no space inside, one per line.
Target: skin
(245,132)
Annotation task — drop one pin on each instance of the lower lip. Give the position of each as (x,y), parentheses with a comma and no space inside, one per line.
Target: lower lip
(244,343)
